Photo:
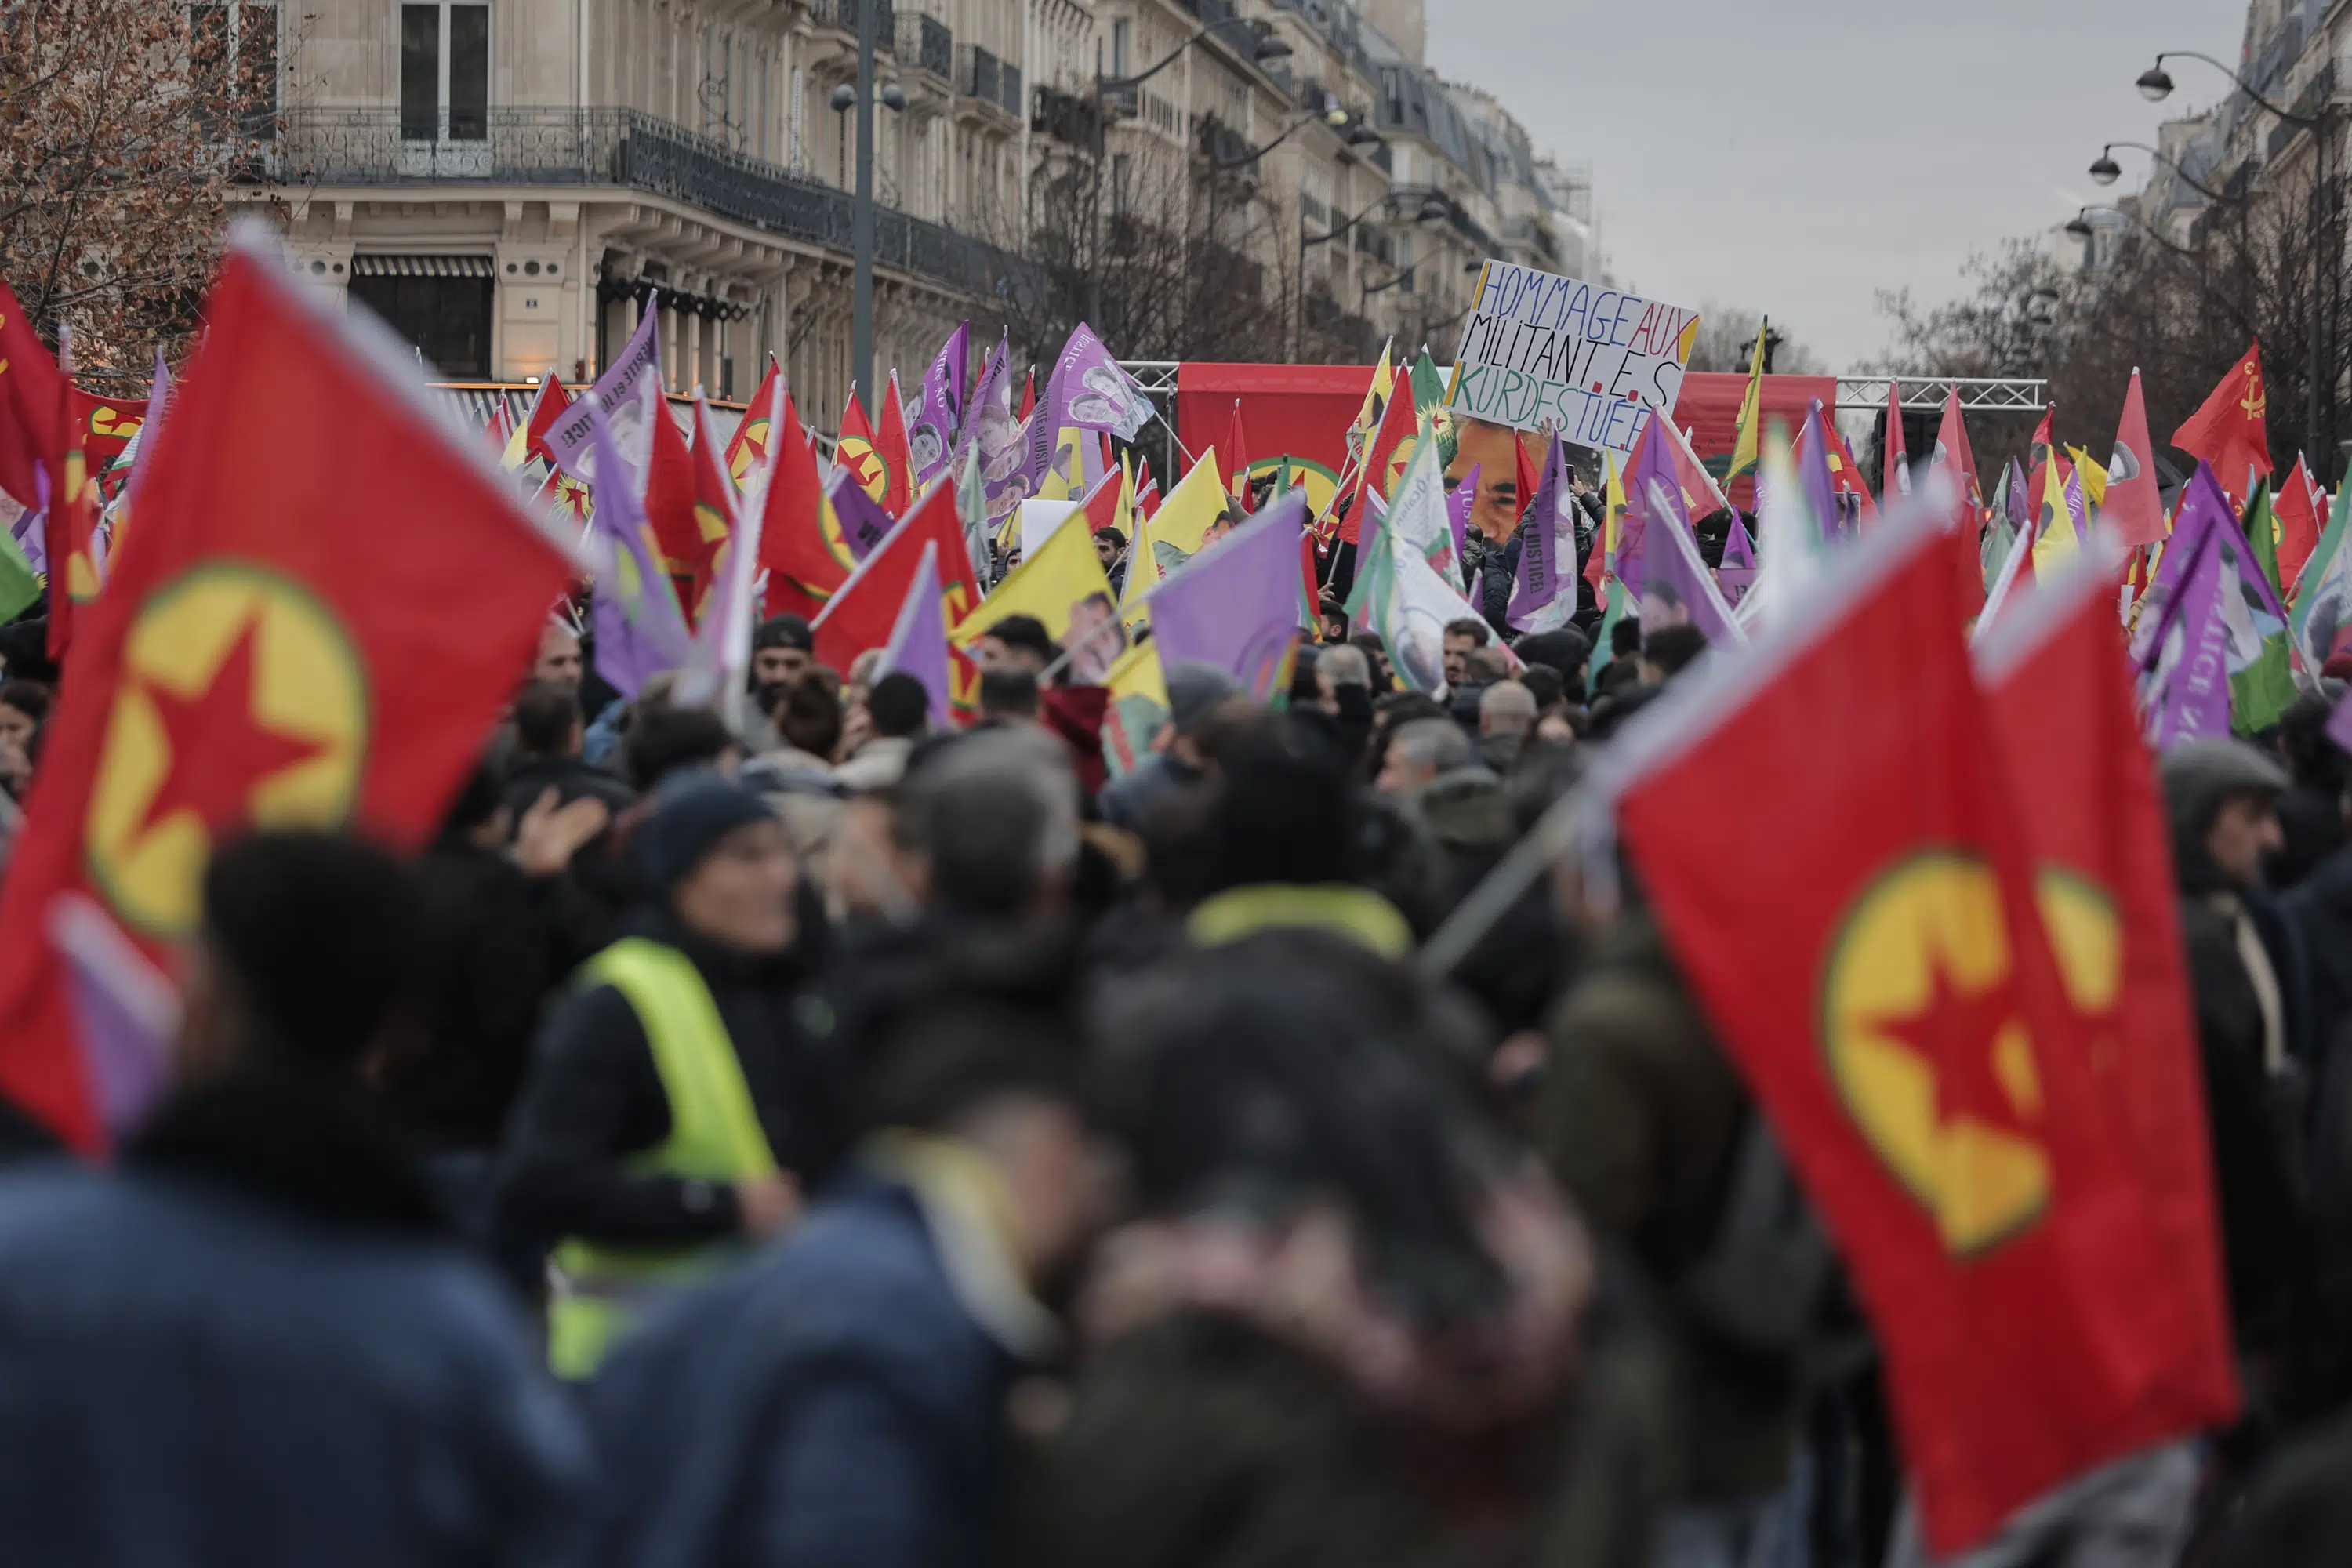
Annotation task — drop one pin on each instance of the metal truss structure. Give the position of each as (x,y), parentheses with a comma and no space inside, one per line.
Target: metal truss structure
(1979,395)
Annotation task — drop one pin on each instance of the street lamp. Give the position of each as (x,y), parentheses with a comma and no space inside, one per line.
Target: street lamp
(2080,228)
(2156,85)
(2105,170)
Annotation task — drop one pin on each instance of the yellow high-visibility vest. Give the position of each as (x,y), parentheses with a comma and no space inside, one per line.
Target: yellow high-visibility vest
(600,1291)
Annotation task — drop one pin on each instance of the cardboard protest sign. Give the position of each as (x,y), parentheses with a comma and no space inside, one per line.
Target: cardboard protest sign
(1591,363)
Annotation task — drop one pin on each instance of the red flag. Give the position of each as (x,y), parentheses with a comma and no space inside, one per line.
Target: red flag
(2134,506)
(547,406)
(500,428)
(2296,507)
(1845,474)
(1392,452)
(1875,964)
(748,445)
(1235,452)
(30,386)
(1895,476)
(862,612)
(1952,449)
(2230,431)
(330,597)
(1028,396)
(2060,696)
(800,537)
(856,455)
(687,551)
(1147,491)
(897,457)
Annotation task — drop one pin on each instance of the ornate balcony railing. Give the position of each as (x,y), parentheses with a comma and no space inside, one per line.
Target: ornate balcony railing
(624,149)
(927,43)
(845,14)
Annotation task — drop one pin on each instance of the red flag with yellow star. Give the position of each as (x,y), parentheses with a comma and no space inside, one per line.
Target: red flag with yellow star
(800,544)
(898,454)
(331,592)
(856,452)
(72,521)
(749,445)
(688,548)
(2061,699)
(1863,935)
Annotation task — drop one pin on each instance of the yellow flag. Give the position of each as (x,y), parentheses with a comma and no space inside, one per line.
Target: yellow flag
(1066,477)
(1064,586)
(2095,477)
(1138,707)
(1174,533)
(1615,495)
(2057,544)
(1751,407)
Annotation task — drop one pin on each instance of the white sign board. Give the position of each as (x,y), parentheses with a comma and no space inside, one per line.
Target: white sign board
(1590,362)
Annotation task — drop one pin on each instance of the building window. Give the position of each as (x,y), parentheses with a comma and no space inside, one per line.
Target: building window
(446,318)
(445,71)
(1119,30)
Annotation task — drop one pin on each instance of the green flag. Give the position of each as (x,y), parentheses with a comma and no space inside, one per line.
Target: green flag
(1603,635)
(1429,405)
(2264,690)
(18,584)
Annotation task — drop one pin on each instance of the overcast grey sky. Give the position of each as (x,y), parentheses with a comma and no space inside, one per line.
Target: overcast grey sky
(1794,156)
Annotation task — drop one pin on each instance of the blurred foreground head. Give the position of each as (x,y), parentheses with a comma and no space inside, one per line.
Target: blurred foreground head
(987,825)
(312,955)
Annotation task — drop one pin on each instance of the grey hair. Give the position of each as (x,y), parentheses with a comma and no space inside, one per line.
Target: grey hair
(1344,666)
(995,815)
(1438,744)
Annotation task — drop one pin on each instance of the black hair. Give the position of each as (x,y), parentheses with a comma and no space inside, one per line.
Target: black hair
(809,718)
(1282,810)
(1118,540)
(1025,633)
(1674,648)
(665,740)
(1544,684)
(1009,693)
(545,715)
(957,1051)
(1625,637)
(322,939)
(29,697)
(1470,626)
(2313,760)
(785,631)
(477,801)
(898,705)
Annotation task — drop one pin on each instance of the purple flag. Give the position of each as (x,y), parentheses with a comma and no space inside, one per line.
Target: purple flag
(863,523)
(1653,465)
(1235,604)
(1738,573)
(1085,390)
(1457,510)
(31,529)
(125,1010)
(2184,648)
(1551,524)
(618,393)
(938,412)
(640,631)
(1813,475)
(2339,723)
(918,638)
(1677,588)
(2021,504)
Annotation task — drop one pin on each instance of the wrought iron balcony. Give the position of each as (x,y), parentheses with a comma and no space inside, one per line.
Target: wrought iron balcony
(979,74)
(845,14)
(623,149)
(926,44)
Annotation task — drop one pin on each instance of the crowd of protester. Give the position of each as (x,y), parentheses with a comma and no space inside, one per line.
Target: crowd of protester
(824,1141)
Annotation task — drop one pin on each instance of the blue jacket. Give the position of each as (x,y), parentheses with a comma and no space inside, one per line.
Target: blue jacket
(833,1403)
(195,1369)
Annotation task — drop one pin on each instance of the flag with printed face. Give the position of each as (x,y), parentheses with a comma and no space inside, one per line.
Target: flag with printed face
(1543,598)
(1877,968)
(1063,584)
(278,649)
(1195,511)
(2321,603)
(938,412)
(1136,710)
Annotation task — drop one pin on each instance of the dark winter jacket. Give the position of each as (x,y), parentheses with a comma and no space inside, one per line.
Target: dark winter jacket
(571,778)
(1640,1118)
(594,1098)
(2320,906)
(495,961)
(255,1344)
(837,1404)
(1127,803)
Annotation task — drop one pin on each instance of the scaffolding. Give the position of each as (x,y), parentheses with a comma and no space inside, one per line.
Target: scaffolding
(1979,394)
